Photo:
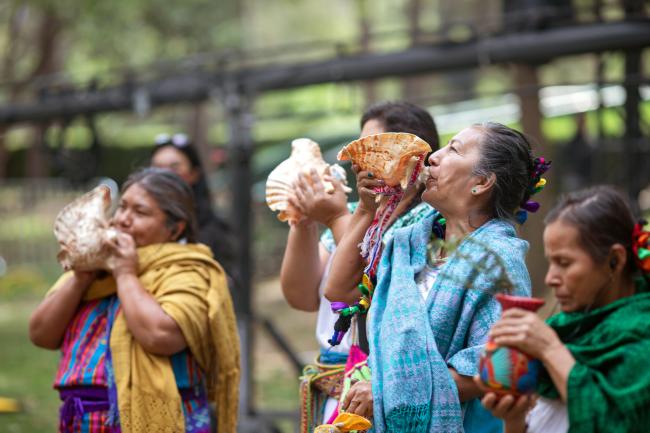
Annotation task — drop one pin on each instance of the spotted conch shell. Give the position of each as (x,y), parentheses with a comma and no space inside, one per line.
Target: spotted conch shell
(305,155)
(390,156)
(81,228)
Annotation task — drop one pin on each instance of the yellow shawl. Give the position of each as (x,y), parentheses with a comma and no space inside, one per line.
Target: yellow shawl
(191,288)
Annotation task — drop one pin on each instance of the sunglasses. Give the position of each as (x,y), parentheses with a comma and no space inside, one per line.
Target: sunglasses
(176,140)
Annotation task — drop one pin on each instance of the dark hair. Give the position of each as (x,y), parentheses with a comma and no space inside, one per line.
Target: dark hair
(200,188)
(402,116)
(506,153)
(602,217)
(173,195)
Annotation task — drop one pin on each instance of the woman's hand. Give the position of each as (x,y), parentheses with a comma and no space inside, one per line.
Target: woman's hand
(359,400)
(512,410)
(83,279)
(366,183)
(314,203)
(524,330)
(124,256)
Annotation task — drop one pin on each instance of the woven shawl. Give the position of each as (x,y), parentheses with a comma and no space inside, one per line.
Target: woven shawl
(191,288)
(609,386)
(412,343)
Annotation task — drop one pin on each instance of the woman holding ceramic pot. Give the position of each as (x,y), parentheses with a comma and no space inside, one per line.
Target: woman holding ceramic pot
(595,352)
(427,327)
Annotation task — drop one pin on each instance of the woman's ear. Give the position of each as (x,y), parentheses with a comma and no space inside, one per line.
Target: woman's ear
(617,258)
(178,231)
(483,184)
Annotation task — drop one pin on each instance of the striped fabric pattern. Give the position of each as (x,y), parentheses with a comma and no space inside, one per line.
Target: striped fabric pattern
(84,346)
(83,362)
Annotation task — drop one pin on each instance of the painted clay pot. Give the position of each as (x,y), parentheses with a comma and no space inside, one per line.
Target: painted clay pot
(506,370)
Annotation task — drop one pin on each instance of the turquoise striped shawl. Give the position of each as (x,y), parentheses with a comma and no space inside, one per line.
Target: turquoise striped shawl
(413,343)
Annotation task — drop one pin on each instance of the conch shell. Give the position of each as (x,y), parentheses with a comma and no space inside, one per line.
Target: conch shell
(305,155)
(390,156)
(81,228)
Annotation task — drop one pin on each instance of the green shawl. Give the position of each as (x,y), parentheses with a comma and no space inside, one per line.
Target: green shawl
(609,386)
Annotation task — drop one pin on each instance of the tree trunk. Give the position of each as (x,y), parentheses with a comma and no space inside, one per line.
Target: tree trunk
(527,84)
(37,159)
(369,86)
(413,88)
(48,63)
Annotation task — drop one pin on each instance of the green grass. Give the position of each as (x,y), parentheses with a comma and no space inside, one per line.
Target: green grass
(26,373)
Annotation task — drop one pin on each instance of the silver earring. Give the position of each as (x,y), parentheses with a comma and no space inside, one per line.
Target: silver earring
(473,190)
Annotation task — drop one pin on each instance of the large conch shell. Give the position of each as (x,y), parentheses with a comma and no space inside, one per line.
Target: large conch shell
(390,156)
(305,155)
(345,422)
(81,228)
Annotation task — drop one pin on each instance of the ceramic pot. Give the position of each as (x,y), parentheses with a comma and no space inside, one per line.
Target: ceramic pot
(506,370)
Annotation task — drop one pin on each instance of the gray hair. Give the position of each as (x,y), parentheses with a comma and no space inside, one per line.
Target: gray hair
(506,153)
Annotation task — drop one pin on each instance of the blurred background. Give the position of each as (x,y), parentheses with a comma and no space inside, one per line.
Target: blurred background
(86,85)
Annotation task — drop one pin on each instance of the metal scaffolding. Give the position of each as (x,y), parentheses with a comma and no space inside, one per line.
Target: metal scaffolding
(237,89)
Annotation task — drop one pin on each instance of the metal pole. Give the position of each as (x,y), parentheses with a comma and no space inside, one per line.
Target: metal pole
(241,149)
(526,47)
(633,153)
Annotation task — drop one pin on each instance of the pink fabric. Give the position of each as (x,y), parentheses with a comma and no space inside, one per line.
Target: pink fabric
(355,357)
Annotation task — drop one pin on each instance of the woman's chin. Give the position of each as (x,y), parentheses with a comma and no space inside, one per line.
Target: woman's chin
(568,307)
(429,195)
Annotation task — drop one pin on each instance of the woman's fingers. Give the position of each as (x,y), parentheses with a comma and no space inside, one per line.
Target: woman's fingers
(510,329)
(523,403)
(370,184)
(316,182)
(300,195)
(111,243)
(489,401)
(348,398)
(516,313)
(301,183)
(364,409)
(503,406)
(293,201)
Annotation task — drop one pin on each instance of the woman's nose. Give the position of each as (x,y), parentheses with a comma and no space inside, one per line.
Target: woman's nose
(551,279)
(121,219)
(434,158)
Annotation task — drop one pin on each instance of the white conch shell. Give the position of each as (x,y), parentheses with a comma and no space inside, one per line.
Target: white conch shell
(81,228)
(305,155)
(390,156)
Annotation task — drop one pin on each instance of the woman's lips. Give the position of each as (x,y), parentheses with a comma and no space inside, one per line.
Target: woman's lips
(563,299)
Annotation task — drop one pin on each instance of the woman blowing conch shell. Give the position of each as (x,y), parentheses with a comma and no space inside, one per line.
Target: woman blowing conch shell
(305,264)
(305,156)
(150,344)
